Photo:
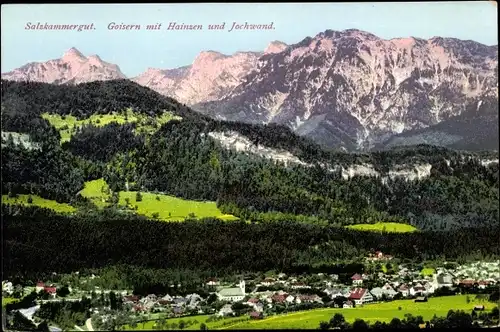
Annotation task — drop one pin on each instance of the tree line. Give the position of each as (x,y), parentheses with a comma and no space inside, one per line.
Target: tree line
(35,239)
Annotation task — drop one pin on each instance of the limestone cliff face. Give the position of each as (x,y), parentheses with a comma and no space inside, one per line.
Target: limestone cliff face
(348,89)
(352,90)
(211,76)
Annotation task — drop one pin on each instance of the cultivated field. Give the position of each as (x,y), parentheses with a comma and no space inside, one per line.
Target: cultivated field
(38,201)
(383,312)
(67,125)
(384,227)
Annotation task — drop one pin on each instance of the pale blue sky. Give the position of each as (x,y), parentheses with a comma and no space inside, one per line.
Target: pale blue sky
(135,51)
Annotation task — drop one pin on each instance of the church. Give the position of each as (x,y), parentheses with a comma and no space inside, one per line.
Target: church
(233,294)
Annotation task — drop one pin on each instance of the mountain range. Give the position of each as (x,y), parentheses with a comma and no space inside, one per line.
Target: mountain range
(343,89)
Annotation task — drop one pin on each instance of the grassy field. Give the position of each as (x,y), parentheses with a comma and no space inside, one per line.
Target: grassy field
(149,325)
(427,271)
(384,227)
(93,191)
(7,300)
(67,125)
(39,201)
(168,208)
(171,208)
(383,312)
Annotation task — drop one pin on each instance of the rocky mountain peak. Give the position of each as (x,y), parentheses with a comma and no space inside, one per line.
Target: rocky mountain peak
(73,67)
(352,89)
(207,57)
(275,47)
(73,54)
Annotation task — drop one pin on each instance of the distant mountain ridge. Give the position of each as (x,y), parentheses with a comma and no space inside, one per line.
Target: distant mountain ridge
(72,67)
(348,90)
(210,77)
(353,90)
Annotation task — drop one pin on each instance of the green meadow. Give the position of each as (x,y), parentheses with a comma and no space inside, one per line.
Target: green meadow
(158,206)
(170,208)
(67,124)
(38,201)
(384,227)
(163,207)
(196,322)
(7,300)
(427,271)
(383,312)
(97,192)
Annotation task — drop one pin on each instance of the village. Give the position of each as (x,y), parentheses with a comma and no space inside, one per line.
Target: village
(280,293)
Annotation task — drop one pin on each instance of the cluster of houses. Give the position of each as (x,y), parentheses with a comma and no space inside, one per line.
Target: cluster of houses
(379,256)
(289,291)
(177,305)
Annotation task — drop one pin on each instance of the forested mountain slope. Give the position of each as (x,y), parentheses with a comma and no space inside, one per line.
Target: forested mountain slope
(183,157)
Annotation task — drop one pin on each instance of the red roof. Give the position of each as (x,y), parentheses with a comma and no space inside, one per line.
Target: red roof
(40,284)
(357,293)
(253,300)
(279,298)
(484,282)
(50,290)
(357,276)
(467,282)
(403,287)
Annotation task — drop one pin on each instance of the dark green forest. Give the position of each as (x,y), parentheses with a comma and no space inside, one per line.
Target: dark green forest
(38,240)
(457,203)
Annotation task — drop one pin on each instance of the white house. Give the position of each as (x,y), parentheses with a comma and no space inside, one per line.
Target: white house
(299,285)
(357,279)
(268,282)
(442,280)
(347,305)
(259,307)
(39,286)
(290,299)
(417,289)
(333,292)
(7,287)
(429,288)
(404,290)
(360,296)
(212,282)
(377,292)
(233,294)
(389,291)
(226,310)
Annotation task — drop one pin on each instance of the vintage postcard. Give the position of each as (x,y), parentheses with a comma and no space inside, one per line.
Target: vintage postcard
(250,166)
